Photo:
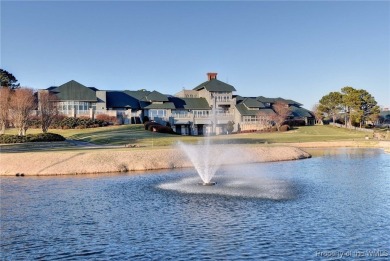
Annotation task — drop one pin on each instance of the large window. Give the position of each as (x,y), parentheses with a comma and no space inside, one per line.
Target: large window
(250,118)
(66,107)
(157,113)
(201,113)
(180,114)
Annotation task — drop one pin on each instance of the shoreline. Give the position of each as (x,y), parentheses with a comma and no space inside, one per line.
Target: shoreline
(380,144)
(91,161)
(86,160)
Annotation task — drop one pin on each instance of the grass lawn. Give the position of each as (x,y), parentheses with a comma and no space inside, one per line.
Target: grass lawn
(135,134)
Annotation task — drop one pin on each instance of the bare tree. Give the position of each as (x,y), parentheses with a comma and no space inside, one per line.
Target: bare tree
(48,109)
(282,111)
(5,93)
(264,120)
(22,103)
(318,114)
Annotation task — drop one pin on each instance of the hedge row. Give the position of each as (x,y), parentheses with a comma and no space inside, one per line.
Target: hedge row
(63,122)
(272,129)
(40,137)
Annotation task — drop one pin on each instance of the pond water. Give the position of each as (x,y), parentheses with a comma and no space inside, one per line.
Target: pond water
(334,205)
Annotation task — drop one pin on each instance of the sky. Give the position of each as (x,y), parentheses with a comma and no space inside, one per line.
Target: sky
(299,50)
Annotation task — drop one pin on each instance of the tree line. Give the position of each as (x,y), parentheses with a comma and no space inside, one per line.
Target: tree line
(352,106)
(18,103)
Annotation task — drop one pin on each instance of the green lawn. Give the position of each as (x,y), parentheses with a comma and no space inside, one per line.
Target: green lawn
(135,134)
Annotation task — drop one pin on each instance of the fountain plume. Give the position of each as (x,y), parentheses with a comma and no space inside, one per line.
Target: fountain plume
(206,158)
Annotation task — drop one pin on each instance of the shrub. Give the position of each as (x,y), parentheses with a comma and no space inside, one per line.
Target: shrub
(230,126)
(35,122)
(273,128)
(40,137)
(6,138)
(150,123)
(295,122)
(153,126)
(284,128)
(163,129)
(106,118)
(63,122)
(44,137)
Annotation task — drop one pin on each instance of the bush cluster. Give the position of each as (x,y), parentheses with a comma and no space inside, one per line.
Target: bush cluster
(63,122)
(77,123)
(40,137)
(248,131)
(156,127)
(106,118)
(284,128)
(295,123)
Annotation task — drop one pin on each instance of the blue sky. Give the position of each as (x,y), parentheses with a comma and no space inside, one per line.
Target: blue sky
(296,50)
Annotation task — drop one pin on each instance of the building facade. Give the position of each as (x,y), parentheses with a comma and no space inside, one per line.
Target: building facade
(207,108)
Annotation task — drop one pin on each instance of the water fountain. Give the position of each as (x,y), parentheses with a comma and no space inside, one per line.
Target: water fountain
(205,158)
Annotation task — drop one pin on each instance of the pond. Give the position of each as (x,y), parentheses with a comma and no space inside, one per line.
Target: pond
(334,205)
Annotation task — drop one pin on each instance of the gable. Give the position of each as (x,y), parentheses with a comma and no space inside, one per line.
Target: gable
(215,85)
(74,91)
(156,96)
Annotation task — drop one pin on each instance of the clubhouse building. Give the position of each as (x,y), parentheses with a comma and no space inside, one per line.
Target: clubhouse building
(207,108)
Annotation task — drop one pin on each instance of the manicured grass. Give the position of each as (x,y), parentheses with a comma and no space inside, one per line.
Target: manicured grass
(309,134)
(136,134)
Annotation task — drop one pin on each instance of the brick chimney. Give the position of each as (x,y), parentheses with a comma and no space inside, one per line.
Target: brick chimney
(211,76)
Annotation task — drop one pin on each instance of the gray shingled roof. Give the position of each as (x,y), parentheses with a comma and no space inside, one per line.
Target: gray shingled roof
(74,91)
(238,98)
(289,102)
(243,110)
(300,112)
(273,100)
(252,103)
(267,111)
(120,99)
(265,99)
(156,96)
(190,103)
(215,85)
(166,105)
(139,95)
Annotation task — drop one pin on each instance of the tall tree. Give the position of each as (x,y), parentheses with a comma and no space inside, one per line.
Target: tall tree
(350,101)
(331,104)
(22,103)
(5,94)
(8,80)
(368,106)
(360,105)
(48,109)
(318,114)
(282,111)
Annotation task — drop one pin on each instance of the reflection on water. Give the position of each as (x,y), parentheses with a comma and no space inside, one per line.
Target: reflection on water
(287,210)
(246,184)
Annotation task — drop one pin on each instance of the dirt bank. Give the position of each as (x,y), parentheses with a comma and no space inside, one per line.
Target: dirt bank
(341,144)
(116,160)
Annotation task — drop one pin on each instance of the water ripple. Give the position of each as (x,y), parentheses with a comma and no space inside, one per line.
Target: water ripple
(276,211)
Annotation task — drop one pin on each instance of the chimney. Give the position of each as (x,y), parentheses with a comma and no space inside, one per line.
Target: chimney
(211,76)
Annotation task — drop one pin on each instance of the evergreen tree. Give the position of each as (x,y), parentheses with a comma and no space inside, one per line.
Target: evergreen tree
(8,80)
